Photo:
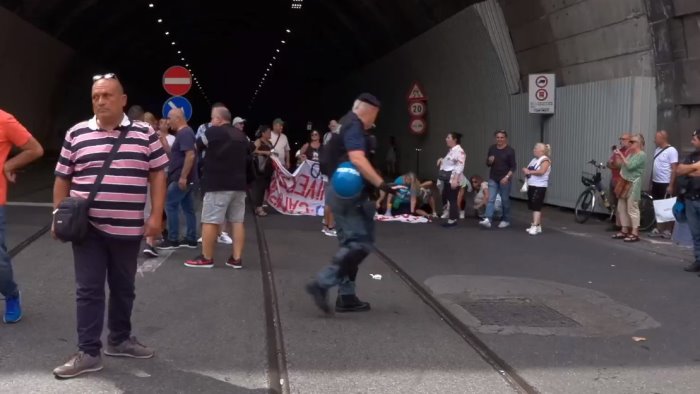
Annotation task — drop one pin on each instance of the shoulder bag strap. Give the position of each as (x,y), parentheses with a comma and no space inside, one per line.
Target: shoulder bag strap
(652,163)
(105,166)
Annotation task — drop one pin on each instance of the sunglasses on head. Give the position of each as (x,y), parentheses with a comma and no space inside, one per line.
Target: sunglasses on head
(97,77)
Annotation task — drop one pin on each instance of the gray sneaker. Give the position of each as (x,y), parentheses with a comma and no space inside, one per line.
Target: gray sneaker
(78,364)
(130,348)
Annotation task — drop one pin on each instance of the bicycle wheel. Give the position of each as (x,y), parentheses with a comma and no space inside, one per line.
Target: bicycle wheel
(584,206)
(647,217)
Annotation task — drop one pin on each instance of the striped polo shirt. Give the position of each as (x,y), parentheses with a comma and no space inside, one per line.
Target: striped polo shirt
(118,207)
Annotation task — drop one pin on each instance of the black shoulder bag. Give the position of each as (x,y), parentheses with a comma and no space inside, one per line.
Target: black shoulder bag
(70,219)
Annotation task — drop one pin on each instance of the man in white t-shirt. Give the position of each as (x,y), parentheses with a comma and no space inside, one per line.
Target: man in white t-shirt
(663,177)
(280,142)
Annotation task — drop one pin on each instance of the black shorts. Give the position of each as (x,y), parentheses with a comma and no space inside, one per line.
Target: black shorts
(658,190)
(535,198)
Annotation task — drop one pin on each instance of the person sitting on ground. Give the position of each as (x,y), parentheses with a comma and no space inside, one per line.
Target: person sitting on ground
(416,199)
(481,195)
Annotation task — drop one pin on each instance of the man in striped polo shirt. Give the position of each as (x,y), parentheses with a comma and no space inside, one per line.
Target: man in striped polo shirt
(116,221)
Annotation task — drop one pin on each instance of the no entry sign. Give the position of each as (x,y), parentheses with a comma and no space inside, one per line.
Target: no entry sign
(177,81)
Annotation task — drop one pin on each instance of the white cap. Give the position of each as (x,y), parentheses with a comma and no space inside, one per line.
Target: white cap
(238,120)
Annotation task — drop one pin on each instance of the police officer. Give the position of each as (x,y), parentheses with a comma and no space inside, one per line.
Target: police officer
(354,217)
(688,183)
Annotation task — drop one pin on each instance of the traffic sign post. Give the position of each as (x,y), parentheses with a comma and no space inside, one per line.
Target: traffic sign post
(177,102)
(177,81)
(417,108)
(541,91)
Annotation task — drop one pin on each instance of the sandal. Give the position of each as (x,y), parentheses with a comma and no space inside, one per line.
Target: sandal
(260,212)
(632,238)
(621,235)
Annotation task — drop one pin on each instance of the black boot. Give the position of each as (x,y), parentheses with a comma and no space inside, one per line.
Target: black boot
(350,303)
(319,295)
(695,267)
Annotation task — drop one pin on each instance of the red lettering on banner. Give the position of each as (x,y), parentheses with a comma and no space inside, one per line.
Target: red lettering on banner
(304,206)
(303,181)
(310,191)
(321,191)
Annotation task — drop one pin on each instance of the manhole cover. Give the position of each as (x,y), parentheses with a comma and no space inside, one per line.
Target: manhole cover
(516,312)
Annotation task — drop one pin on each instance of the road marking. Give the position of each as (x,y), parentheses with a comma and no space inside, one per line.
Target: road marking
(29,204)
(151,265)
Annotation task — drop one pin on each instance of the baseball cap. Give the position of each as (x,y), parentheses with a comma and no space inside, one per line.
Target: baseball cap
(238,120)
(369,99)
(278,121)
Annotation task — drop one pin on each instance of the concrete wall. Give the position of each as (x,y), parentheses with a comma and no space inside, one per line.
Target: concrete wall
(580,40)
(31,70)
(462,76)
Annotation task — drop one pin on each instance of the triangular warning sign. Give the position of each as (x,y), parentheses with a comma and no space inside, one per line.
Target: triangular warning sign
(416,93)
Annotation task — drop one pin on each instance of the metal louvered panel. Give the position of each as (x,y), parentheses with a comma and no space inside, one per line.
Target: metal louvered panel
(495,23)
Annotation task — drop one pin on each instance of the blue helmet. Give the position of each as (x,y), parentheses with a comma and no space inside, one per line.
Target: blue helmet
(347,181)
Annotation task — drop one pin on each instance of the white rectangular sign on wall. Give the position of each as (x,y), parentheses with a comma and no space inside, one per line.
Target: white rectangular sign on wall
(541,92)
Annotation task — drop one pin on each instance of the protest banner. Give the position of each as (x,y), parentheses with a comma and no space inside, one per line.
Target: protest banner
(300,193)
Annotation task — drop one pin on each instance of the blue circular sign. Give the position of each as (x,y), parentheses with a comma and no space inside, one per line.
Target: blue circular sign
(177,102)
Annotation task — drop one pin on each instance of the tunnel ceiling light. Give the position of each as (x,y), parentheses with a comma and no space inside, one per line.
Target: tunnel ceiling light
(289,31)
(172,43)
(179,52)
(284,42)
(160,20)
(151,5)
(270,64)
(167,33)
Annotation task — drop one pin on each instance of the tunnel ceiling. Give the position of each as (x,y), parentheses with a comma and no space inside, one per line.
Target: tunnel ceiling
(229,44)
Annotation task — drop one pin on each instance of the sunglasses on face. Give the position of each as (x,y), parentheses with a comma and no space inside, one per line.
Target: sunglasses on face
(97,77)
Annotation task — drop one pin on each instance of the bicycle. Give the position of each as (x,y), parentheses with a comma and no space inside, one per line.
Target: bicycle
(594,192)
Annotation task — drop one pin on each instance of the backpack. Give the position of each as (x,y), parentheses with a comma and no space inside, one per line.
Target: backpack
(328,157)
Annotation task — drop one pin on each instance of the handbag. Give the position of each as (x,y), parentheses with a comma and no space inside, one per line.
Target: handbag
(664,210)
(70,219)
(623,187)
(444,176)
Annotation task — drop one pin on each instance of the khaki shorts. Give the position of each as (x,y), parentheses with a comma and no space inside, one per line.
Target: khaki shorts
(223,206)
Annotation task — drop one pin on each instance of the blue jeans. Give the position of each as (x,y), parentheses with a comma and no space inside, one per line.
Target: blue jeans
(354,222)
(175,199)
(8,287)
(692,211)
(496,188)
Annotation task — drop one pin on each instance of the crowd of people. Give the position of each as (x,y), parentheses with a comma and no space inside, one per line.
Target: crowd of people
(139,174)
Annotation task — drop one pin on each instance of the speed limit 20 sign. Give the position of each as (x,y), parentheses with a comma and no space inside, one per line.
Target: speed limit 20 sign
(417,109)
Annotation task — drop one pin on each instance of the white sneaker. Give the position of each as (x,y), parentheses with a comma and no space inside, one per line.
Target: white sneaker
(224,239)
(329,232)
(503,224)
(461,214)
(199,241)
(485,223)
(535,230)
(527,230)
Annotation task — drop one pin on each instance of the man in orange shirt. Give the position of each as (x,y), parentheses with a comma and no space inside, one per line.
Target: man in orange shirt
(12,133)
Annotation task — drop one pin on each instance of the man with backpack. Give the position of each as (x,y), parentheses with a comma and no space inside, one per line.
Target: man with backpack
(354,216)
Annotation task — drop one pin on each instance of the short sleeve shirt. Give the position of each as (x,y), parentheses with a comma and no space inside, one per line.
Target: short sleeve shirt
(184,142)
(12,133)
(281,144)
(662,164)
(118,207)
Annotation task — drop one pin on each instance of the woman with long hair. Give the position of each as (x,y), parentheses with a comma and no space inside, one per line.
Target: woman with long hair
(451,174)
(263,167)
(629,189)
(537,174)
